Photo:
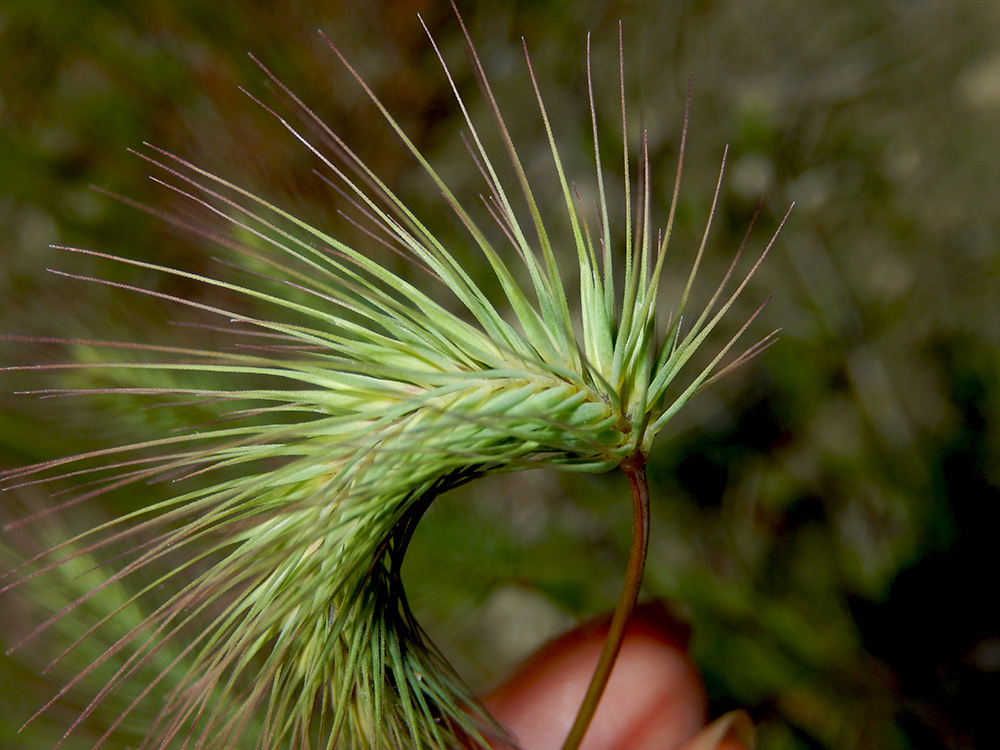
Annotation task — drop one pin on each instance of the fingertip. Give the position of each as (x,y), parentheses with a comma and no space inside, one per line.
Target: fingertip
(654,700)
(731,731)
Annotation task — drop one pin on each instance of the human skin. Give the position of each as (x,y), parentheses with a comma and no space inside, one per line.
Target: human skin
(654,700)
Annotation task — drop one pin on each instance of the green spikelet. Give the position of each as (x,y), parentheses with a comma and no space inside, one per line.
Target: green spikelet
(272,576)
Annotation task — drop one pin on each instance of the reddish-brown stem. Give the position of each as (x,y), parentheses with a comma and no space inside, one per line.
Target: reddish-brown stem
(635,469)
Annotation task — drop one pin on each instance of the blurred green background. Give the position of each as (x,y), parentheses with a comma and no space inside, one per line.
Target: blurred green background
(825,518)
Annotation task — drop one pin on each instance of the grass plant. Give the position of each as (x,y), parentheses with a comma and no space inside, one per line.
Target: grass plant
(261,604)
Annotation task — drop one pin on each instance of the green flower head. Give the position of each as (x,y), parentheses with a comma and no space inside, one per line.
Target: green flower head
(273,614)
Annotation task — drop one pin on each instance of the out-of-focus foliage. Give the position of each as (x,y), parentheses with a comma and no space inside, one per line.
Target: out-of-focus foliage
(824,517)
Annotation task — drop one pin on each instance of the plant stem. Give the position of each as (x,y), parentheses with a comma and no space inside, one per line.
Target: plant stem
(635,469)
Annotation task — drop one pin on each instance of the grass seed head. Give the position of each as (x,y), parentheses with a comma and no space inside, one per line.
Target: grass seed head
(359,401)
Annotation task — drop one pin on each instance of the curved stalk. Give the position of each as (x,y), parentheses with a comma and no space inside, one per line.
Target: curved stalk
(635,469)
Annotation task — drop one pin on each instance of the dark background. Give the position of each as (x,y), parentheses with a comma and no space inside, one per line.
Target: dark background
(825,518)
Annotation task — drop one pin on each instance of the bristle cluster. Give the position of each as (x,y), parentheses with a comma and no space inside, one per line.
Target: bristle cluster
(362,401)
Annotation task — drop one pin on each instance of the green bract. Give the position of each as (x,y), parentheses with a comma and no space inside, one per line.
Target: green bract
(286,616)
